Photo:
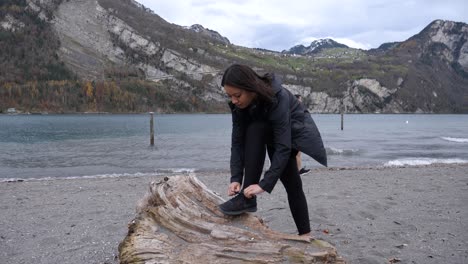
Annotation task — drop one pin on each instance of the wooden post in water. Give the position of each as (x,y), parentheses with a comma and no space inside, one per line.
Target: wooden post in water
(342,118)
(151,129)
(342,113)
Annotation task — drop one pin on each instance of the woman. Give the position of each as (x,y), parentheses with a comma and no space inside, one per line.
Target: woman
(267,117)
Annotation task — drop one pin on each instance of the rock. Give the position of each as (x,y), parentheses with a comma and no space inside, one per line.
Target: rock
(11,24)
(445,32)
(210,33)
(374,87)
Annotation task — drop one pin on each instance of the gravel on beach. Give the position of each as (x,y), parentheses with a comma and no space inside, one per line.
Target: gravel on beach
(371,215)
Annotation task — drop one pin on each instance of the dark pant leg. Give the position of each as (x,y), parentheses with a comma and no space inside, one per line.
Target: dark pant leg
(255,151)
(297,201)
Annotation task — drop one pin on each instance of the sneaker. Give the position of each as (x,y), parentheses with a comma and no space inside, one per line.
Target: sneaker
(238,205)
(303,171)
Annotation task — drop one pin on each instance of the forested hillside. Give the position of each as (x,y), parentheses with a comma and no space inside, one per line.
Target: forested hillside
(35,79)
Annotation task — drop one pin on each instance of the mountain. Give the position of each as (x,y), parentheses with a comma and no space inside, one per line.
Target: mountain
(444,41)
(119,56)
(437,61)
(315,47)
(210,33)
(388,45)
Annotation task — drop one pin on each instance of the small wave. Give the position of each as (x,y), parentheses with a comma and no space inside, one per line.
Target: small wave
(344,152)
(103,176)
(458,140)
(421,161)
(182,170)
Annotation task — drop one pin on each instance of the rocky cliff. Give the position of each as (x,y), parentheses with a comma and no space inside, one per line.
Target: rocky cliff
(427,73)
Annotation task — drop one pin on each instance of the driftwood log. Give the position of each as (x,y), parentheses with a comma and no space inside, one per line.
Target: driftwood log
(179,221)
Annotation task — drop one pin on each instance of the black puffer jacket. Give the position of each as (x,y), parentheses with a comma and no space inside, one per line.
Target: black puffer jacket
(292,128)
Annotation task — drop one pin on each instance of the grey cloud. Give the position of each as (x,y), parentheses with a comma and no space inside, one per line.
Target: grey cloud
(370,22)
(275,37)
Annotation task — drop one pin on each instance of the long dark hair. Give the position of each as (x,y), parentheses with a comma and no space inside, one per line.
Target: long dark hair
(244,77)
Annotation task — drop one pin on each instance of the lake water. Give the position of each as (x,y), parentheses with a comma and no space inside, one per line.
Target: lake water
(51,146)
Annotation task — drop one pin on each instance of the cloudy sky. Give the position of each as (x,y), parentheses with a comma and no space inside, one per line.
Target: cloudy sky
(281,24)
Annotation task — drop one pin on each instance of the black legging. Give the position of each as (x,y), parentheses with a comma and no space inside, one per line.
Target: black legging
(257,137)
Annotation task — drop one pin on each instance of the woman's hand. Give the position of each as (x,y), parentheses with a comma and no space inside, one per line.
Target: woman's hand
(253,190)
(233,188)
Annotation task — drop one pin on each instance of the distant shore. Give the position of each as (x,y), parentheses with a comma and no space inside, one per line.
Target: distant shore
(112,113)
(371,215)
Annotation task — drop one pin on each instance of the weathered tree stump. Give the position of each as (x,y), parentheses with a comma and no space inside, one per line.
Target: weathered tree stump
(179,222)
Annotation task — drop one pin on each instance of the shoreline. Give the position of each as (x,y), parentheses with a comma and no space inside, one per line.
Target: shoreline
(416,214)
(159,174)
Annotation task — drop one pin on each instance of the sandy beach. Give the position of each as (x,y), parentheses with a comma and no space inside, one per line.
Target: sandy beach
(371,215)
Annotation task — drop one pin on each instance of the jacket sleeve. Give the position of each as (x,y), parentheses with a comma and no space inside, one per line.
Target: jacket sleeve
(237,146)
(280,120)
